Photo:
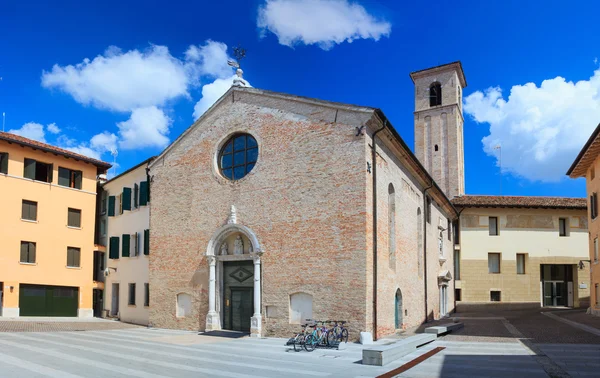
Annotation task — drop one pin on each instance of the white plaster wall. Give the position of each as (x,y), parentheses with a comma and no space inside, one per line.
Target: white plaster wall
(129,269)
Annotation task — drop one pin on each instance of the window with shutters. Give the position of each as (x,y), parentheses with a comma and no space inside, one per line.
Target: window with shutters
(69,178)
(126,200)
(493,226)
(435,94)
(111,206)
(520,263)
(74,218)
(146,294)
(38,171)
(29,210)
(144,193)
(4,162)
(73,257)
(563,226)
(126,245)
(113,247)
(131,300)
(494,263)
(28,252)
(146,242)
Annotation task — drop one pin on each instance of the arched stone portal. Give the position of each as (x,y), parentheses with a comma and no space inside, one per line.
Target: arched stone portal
(231,248)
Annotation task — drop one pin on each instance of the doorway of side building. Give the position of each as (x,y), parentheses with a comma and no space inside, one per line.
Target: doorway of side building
(40,300)
(114,308)
(557,285)
(398,309)
(97,302)
(238,284)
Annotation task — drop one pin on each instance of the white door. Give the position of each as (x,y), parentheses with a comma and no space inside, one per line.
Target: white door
(114,311)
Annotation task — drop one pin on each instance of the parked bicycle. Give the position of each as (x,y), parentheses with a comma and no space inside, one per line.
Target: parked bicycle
(300,338)
(338,334)
(318,337)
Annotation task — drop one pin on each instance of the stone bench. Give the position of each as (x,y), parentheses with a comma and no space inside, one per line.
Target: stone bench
(443,328)
(380,355)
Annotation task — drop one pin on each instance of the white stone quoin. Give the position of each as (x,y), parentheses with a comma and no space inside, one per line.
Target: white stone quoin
(213,321)
(256,322)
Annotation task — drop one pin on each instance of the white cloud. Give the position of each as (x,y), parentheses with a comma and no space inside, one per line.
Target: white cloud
(209,59)
(147,127)
(52,128)
(104,142)
(321,22)
(211,93)
(85,151)
(541,129)
(31,130)
(122,81)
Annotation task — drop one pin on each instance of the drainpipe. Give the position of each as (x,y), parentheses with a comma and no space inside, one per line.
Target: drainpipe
(427,216)
(454,251)
(374,162)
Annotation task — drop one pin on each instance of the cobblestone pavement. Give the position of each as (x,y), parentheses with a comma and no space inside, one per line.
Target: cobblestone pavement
(57,325)
(581,317)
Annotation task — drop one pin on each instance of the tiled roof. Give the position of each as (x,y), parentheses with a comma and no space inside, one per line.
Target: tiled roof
(12,138)
(520,201)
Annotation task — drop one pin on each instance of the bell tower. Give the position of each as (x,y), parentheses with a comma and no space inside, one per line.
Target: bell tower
(439,125)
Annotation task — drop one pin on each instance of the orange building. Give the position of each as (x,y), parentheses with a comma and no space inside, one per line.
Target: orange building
(586,165)
(47,226)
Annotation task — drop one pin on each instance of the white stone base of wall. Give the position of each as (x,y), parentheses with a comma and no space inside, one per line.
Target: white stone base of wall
(85,313)
(10,312)
(491,306)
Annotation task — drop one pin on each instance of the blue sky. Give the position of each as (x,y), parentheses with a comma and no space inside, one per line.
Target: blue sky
(154,66)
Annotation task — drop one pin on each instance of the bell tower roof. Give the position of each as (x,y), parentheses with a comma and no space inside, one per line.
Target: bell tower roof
(456,66)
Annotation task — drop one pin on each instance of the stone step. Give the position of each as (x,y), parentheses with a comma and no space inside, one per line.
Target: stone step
(444,328)
(384,354)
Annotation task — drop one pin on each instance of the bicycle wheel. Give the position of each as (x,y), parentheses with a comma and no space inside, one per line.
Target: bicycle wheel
(310,343)
(344,336)
(331,337)
(298,343)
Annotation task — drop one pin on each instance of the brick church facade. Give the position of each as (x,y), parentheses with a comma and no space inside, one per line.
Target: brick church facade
(262,217)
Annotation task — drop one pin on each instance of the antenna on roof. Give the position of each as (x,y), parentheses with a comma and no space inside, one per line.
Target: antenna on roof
(114,153)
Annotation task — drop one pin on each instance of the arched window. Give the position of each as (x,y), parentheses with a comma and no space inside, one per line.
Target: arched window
(392,220)
(419,242)
(238,156)
(301,307)
(184,305)
(436,147)
(435,94)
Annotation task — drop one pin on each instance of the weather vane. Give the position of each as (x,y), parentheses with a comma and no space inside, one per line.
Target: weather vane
(240,53)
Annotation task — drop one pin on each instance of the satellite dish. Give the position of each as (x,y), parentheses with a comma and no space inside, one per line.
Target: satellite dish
(106,272)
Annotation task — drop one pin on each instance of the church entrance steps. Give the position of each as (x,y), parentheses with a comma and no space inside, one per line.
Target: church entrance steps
(384,354)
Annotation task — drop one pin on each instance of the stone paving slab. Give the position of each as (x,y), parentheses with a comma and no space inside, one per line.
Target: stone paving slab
(44,325)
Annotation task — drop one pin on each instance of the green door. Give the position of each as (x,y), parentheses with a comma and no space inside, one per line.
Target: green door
(241,309)
(37,300)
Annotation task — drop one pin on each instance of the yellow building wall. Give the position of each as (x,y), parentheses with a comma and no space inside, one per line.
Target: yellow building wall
(50,232)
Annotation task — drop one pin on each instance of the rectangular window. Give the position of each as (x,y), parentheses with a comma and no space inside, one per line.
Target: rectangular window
(74,218)
(126,198)
(593,205)
(113,248)
(38,171)
(111,206)
(131,301)
(144,193)
(493,226)
(69,178)
(494,263)
(126,245)
(596,250)
(28,252)
(457,265)
(4,162)
(562,227)
(495,296)
(146,294)
(73,257)
(103,203)
(146,242)
(458,295)
(29,210)
(520,263)
(428,210)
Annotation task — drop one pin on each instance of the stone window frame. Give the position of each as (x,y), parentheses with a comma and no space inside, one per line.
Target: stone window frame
(221,151)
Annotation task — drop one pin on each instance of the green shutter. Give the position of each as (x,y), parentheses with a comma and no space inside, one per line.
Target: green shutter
(146,242)
(136,192)
(29,170)
(78,179)
(50,173)
(125,243)
(64,177)
(143,193)
(113,252)
(126,199)
(111,206)
(3,162)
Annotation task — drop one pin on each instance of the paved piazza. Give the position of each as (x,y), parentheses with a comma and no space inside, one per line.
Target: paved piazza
(489,345)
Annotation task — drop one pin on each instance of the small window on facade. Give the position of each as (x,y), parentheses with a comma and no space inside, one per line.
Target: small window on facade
(435,94)
(4,162)
(595,249)
(238,156)
(38,171)
(458,295)
(29,210)
(73,257)
(184,305)
(562,227)
(435,147)
(131,300)
(28,252)
(146,294)
(495,296)
(301,308)
(493,262)
(493,226)
(69,178)
(74,218)
(520,263)
(593,206)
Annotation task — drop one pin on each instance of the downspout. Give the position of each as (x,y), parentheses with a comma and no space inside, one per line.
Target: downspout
(427,216)
(454,251)
(374,162)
